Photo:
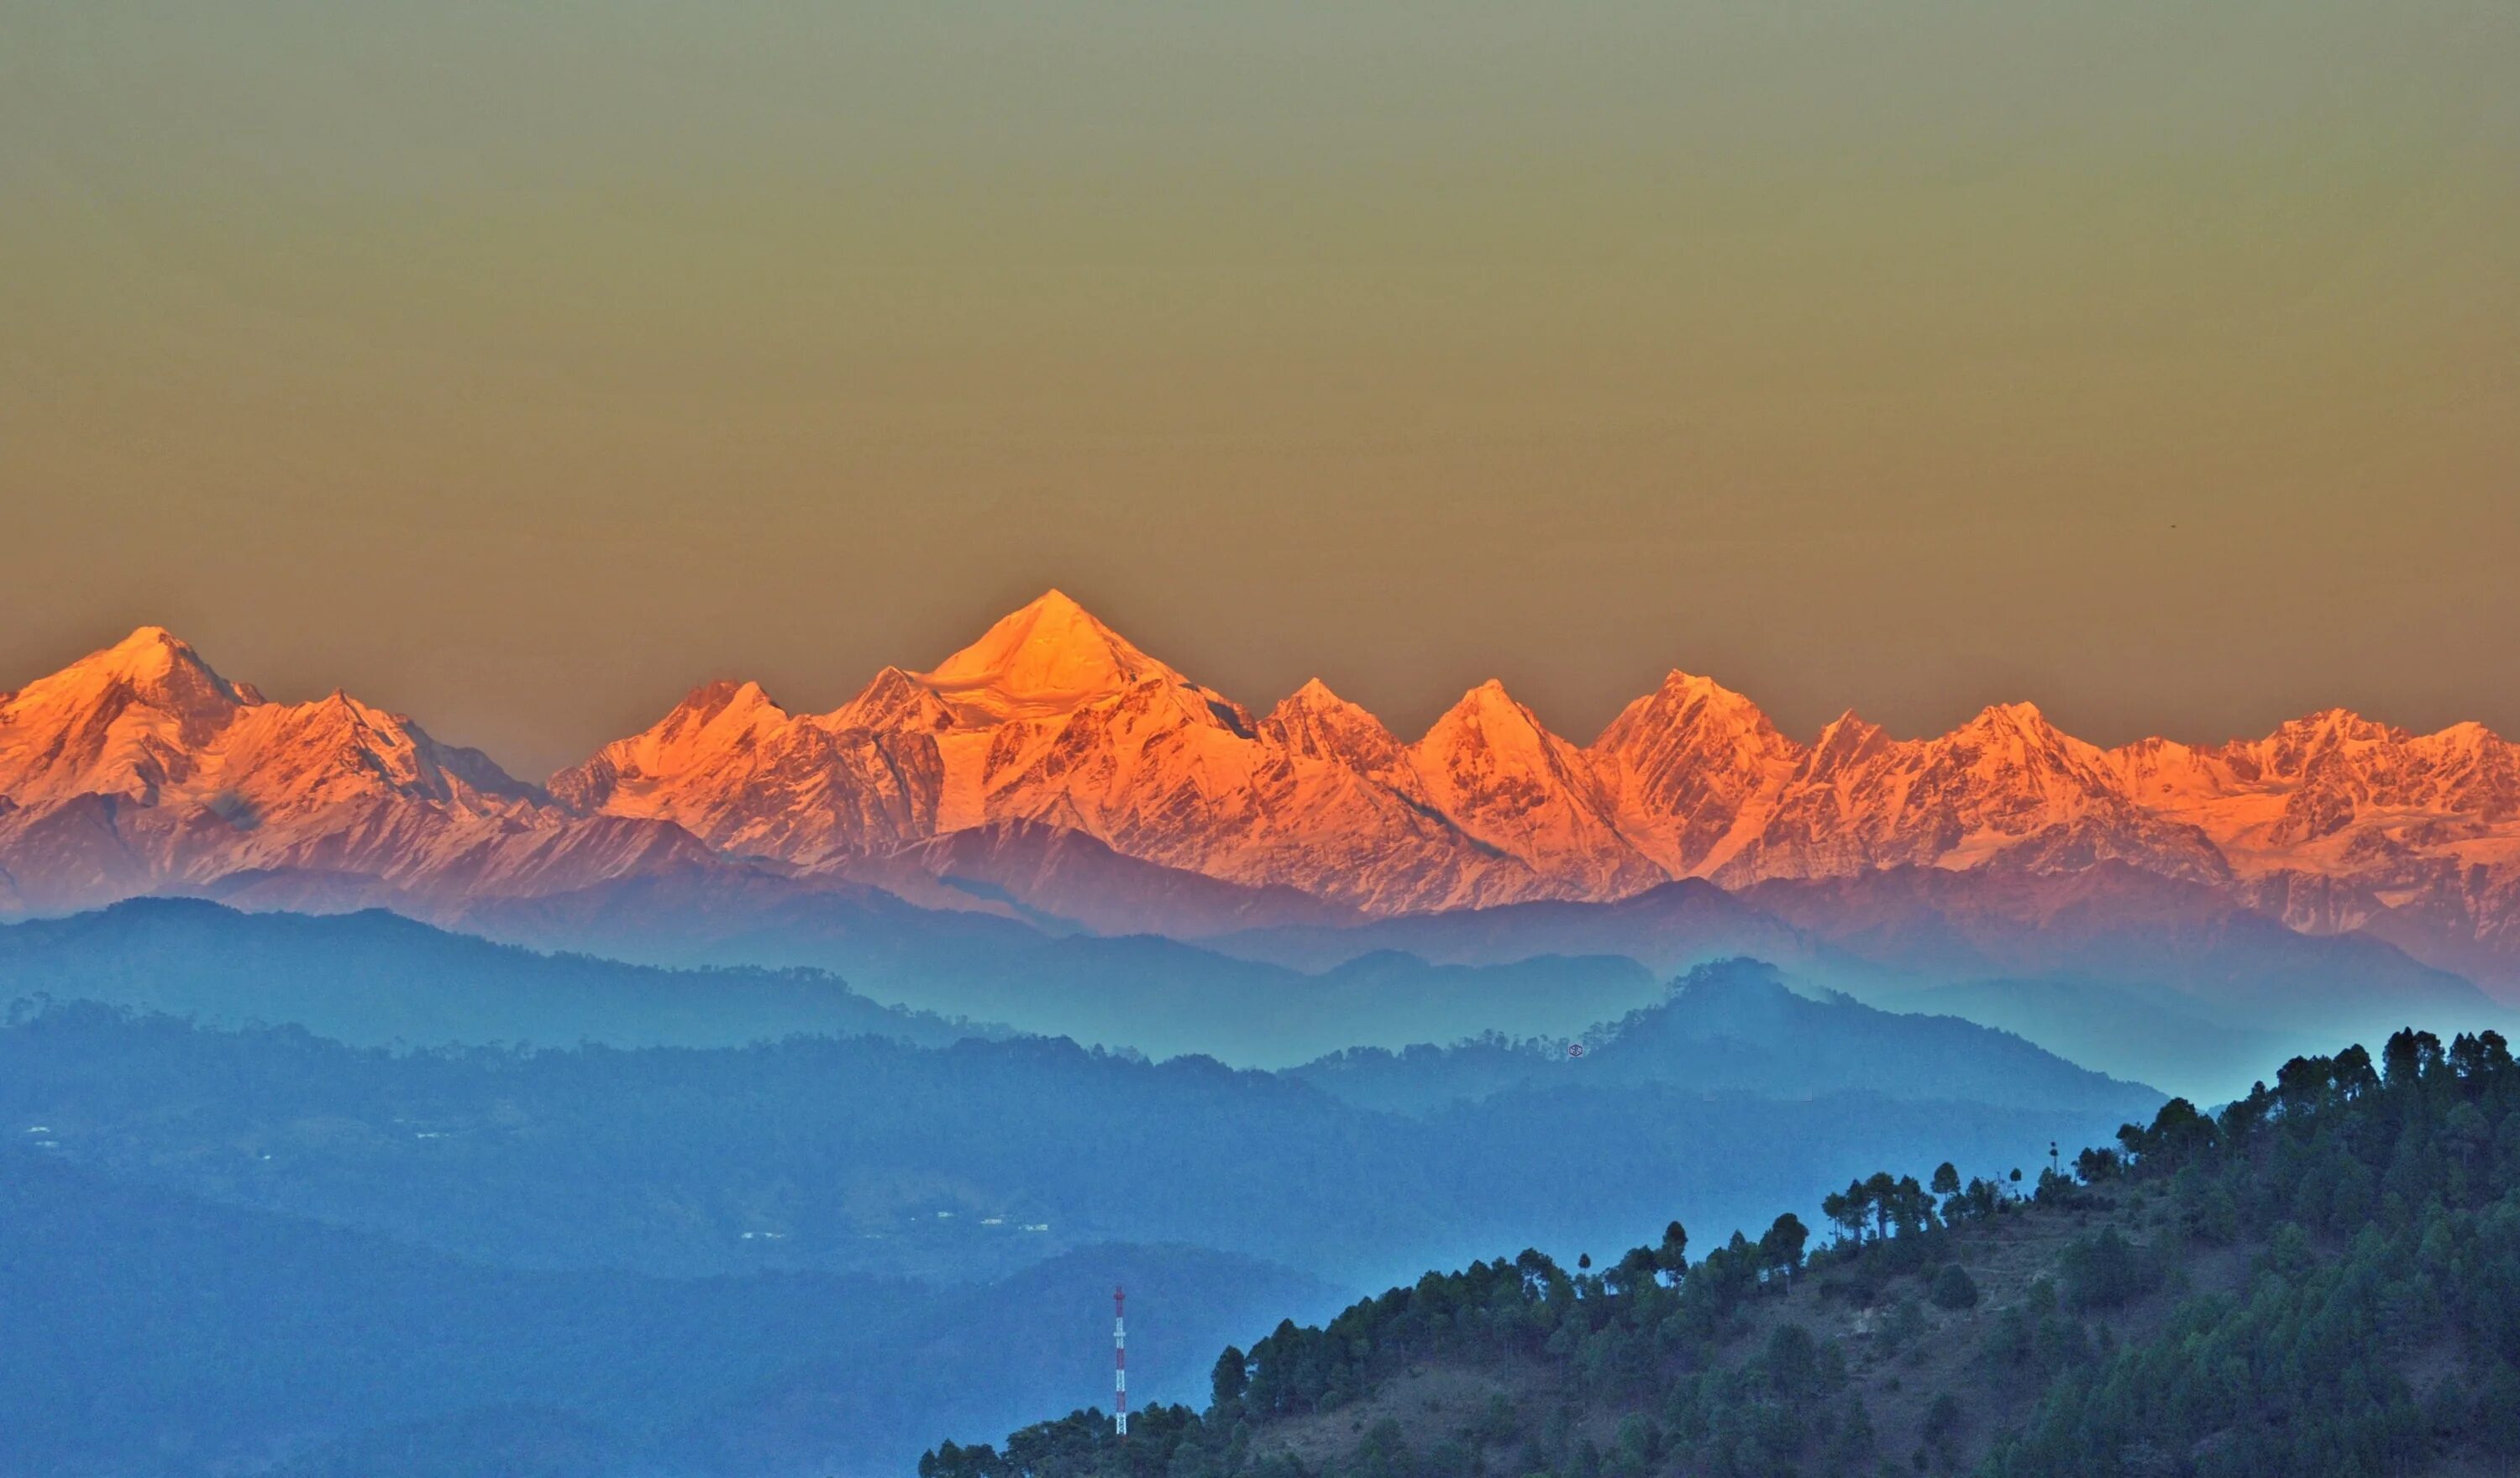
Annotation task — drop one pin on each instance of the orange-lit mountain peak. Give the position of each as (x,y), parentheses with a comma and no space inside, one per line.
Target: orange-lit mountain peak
(1315,693)
(2467,737)
(2346,723)
(1488,701)
(1681,684)
(1487,717)
(1690,702)
(1051,718)
(1315,701)
(2296,742)
(722,710)
(2019,728)
(1692,768)
(1844,745)
(154,664)
(1848,736)
(725,694)
(149,639)
(712,719)
(1314,722)
(1502,777)
(1486,732)
(715,729)
(1049,658)
(895,699)
(125,720)
(147,721)
(2022,714)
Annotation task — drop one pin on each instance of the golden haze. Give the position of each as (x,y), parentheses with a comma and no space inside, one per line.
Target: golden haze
(2153,361)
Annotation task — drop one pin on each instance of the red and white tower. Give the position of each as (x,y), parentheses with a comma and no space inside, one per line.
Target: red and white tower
(1120,1363)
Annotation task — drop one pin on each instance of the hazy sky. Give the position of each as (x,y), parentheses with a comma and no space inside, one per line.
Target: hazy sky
(520,366)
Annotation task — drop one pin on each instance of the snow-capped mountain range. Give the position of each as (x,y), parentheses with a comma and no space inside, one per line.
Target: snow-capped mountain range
(140,769)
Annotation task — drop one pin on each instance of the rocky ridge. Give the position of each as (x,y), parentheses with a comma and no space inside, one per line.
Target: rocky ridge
(141,769)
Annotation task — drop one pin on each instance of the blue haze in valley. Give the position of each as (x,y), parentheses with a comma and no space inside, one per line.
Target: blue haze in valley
(352,1195)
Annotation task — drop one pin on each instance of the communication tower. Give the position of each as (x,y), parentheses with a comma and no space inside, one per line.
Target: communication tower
(1120,1363)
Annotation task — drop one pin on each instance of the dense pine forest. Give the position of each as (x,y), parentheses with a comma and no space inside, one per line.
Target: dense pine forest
(2321,1278)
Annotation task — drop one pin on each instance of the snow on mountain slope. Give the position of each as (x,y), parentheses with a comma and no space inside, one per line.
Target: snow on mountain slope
(1340,809)
(1692,771)
(2337,792)
(739,772)
(139,768)
(1047,661)
(1051,718)
(2008,780)
(1513,785)
(147,721)
(126,721)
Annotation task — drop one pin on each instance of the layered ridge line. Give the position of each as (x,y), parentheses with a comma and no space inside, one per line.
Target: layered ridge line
(140,768)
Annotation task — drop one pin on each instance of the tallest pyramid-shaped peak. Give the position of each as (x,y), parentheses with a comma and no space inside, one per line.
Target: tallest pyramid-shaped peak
(152,667)
(149,652)
(1047,658)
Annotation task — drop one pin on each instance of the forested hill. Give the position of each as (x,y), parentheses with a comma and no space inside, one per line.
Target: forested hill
(2323,1278)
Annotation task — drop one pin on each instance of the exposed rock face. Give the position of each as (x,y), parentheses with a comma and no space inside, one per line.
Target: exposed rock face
(1692,771)
(1513,786)
(737,771)
(2007,783)
(139,768)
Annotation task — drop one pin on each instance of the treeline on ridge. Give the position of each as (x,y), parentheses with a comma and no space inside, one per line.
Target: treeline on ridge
(2322,1278)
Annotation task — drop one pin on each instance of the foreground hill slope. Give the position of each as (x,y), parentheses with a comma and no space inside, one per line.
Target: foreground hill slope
(229,1339)
(2323,1278)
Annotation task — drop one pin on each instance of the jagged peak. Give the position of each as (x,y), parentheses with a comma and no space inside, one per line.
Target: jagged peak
(1486,703)
(1489,715)
(2332,720)
(1696,685)
(1317,700)
(1313,718)
(1848,723)
(1845,740)
(722,708)
(891,699)
(2021,720)
(722,695)
(2467,734)
(2326,728)
(1686,696)
(339,707)
(1684,689)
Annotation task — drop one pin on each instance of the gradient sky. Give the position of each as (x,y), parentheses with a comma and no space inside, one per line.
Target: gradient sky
(520,366)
